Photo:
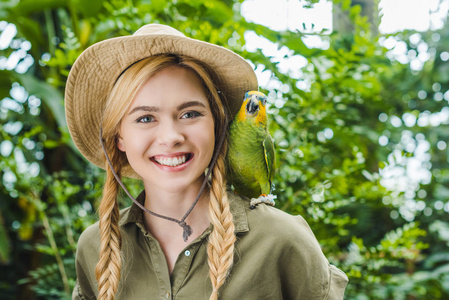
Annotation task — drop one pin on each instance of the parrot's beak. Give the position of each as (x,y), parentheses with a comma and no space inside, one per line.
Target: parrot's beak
(252,107)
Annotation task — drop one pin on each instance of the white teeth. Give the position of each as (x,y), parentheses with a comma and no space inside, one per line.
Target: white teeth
(172,162)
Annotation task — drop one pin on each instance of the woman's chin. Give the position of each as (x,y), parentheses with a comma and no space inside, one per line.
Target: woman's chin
(174,184)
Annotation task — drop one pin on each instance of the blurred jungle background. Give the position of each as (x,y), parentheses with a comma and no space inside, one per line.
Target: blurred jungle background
(359,116)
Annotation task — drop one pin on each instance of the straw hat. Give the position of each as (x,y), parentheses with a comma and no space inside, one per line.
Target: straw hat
(95,71)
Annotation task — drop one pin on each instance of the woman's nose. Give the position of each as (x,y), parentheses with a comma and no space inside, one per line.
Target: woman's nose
(170,134)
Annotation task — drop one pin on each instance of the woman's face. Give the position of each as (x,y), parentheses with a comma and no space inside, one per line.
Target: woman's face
(168,131)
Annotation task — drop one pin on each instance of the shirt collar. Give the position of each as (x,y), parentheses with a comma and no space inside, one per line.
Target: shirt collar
(236,203)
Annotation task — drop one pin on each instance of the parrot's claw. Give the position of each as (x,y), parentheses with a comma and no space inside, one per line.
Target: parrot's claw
(267,199)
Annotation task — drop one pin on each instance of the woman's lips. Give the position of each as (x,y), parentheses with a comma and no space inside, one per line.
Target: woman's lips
(173,160)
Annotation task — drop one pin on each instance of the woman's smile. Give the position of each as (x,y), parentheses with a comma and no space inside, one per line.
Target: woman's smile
(172,160)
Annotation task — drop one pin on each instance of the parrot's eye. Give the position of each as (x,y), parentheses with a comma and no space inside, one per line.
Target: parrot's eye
(264,100)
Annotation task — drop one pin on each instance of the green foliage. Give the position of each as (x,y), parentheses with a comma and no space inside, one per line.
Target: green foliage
(327,120)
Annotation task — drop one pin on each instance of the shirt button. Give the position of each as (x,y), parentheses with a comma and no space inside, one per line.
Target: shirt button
(167,295)
(187,253)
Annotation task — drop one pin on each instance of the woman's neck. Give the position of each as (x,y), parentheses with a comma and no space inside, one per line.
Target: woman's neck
(175,204)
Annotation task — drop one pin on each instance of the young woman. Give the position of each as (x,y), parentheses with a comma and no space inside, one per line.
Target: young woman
(155,106)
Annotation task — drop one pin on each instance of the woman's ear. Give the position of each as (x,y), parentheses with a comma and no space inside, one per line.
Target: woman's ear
(120,144)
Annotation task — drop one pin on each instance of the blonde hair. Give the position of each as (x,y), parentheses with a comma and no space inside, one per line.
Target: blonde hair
(220,249)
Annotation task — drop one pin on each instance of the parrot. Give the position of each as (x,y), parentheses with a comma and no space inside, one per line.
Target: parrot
(251,157)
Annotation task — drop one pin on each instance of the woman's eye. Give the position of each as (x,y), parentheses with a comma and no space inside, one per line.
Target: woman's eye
(145,119)
(190,115)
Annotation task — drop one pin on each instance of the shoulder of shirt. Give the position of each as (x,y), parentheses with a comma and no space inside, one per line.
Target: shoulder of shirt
(284,235)
(91,235)
(271,221)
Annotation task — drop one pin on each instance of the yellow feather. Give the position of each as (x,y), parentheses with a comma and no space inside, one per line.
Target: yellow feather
(241,116)
(262,115)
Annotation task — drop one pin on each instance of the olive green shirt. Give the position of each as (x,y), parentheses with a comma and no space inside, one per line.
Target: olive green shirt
(276,257)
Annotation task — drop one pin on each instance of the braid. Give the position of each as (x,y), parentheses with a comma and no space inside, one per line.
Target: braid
(220,250)
(108,268)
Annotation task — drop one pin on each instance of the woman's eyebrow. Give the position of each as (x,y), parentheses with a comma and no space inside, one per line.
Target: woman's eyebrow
(189,104)
(144,108)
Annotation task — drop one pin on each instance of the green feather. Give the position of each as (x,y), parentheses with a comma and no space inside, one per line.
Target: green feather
(268,146)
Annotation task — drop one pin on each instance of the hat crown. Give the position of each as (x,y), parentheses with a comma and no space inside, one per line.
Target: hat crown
(158,29)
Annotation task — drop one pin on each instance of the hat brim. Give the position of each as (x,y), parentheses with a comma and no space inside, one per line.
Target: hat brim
(95,71)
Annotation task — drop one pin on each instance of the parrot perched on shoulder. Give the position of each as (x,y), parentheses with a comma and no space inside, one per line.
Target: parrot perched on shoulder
(251,156)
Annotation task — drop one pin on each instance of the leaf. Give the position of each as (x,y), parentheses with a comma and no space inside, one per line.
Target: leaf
(51,96)
(368,175)
(26,7)
(4,242)
(441,192)
(88,8)
(6,79)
